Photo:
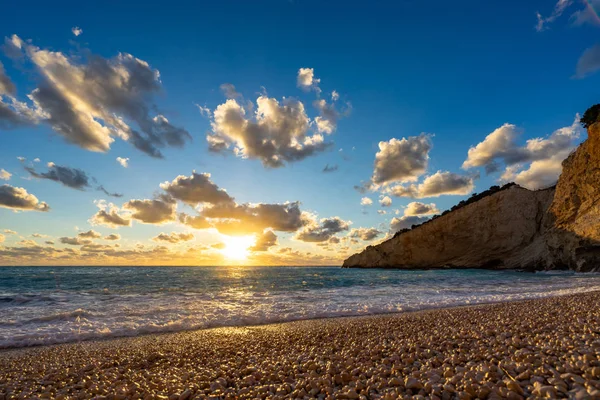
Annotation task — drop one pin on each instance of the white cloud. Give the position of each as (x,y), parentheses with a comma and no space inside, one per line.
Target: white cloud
(385,201)
(335,96)
(438,184)
(418,208)
(307,81)
(365,201)
(204,111)
(278,134)
(559,9)
(401,160)
(76,30)
(534,165)
(5,175)
(88,104)
(123,161)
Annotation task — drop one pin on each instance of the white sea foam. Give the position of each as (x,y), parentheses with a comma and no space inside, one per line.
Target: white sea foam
(201,300)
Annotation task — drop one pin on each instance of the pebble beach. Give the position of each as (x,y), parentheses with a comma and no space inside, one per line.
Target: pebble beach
(543,348)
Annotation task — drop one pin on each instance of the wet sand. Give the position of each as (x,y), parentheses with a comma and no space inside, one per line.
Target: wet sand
(536,348)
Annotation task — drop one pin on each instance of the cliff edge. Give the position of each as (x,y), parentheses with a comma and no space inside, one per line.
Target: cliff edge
(516,228)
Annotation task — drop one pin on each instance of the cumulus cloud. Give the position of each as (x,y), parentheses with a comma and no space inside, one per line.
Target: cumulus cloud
(322,230)
(229,91)
(91,234)
(196,222)
(307,81)
(195,189)
(108,215)
(385,201)
(327,120)
(113,236)
(74,241)
(18,198)
(7,87)
(365,201)
(124,162)
(418,208)
(501,146)
(589,62)
(88,103)
(365,234)
(5,175)
(252,218)
(264,241)
(331,168)
(10,232)
(401,160)
(335,96)
(278,133)
(2,238)
(539,174)
(406,222)
(76,30)
(156,211)
(173,237)
(439,184)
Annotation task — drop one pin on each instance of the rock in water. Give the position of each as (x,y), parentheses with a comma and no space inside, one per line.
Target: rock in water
(516,228)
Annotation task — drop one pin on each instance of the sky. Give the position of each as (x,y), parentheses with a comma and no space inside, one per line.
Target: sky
(275,132)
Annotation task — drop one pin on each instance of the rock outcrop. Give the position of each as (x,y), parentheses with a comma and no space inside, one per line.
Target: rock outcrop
(516,228)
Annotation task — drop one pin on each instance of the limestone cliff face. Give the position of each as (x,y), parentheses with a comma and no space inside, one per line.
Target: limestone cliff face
(573,235)
(512,229)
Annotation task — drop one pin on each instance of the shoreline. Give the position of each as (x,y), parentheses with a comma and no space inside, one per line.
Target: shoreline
(514,349)
(262,324)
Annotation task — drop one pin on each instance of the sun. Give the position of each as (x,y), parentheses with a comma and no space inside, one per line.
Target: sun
(236,247)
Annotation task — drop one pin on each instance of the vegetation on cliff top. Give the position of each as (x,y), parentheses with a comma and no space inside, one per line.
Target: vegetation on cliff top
(591,116)
(474,198)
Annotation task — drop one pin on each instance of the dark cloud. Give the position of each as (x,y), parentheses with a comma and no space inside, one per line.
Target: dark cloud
(406,222)
(157,211)
(195,189)
(365,234)
(106,192)
(322,230)
(74,241)
(264,241)
(6,85)
(332,168)
(418,208)
(196,222)
(17,198)
(174,237)
(589,62)
(70,177)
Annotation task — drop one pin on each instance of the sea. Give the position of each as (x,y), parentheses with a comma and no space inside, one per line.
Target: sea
(47,305)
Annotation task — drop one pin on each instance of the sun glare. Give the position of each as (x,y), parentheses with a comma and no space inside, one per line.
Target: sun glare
(236,247)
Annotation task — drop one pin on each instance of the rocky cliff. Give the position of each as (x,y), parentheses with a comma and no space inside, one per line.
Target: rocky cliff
(515,228)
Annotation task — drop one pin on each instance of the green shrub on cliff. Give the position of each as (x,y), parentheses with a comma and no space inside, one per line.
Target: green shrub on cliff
(591,116)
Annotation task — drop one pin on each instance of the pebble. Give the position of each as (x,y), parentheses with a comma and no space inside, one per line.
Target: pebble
(544,348)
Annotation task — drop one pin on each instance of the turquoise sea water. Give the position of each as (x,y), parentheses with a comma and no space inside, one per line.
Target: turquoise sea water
(43,305)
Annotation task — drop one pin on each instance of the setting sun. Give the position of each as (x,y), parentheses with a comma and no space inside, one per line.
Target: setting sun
(236,247)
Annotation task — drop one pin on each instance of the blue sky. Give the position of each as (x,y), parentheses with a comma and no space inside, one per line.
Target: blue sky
(455,71)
